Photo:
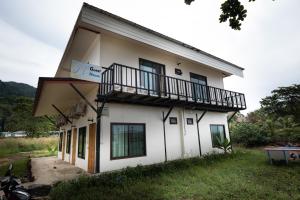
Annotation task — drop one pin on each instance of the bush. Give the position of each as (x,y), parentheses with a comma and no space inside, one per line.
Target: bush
(249,135)
(287,135)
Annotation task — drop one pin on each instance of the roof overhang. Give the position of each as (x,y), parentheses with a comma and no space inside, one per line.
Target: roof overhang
(58,92)
(91,16)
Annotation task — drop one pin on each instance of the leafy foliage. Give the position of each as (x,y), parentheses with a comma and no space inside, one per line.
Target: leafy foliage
(188,2)
(277,121)
(18,116)
(233,11)
(224,145)
(249,134)
(283,101)
(16,104)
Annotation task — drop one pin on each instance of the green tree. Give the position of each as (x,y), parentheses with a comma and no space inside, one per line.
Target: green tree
(284,101)
(21,118)
(277,121)
(249,134)
(233,11)
(16,103)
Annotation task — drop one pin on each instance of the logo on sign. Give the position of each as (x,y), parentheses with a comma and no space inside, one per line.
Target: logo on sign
(85,71)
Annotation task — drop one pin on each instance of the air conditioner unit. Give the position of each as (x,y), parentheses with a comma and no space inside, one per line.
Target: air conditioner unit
(60,121)
(80,109)
(72,113)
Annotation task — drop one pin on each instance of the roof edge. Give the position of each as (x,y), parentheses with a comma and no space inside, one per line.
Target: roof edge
(54,79)
(86,5)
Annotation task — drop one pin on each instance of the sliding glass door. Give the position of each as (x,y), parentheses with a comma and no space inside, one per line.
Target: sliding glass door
(150,78)
(199,89)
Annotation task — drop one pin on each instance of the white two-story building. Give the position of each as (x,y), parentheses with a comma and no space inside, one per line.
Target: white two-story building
(156,99)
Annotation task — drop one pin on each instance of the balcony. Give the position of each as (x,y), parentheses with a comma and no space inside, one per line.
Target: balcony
(125,84)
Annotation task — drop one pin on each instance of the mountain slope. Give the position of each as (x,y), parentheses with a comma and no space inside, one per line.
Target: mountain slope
(16,103)
(16,89)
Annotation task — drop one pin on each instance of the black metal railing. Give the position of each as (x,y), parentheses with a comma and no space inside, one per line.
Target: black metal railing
(121,78)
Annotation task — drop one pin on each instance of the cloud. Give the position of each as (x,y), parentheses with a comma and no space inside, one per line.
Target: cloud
(23,58)
(50,21)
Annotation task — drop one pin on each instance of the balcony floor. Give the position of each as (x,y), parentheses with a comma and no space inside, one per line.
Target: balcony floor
(141,98)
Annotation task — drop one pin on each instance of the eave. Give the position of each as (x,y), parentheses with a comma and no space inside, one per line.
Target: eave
(107,21)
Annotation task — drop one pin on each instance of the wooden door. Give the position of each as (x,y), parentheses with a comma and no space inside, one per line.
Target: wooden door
(92,148)
(63,151)
(74,142)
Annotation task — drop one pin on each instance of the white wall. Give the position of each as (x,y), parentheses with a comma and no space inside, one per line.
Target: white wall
(181,139)
(132,114)
(105,49)
(115,49)
(85,48)
(78,123)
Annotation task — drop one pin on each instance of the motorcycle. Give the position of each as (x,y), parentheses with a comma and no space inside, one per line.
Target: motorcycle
(12,188)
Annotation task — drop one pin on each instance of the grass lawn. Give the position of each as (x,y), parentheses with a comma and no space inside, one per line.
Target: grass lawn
(243,175)
(37,146)
(19,168)
(18,150)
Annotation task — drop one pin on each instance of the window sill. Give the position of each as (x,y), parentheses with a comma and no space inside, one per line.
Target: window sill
(127,157)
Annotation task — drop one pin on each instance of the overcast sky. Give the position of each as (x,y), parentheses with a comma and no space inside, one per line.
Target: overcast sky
(34,33)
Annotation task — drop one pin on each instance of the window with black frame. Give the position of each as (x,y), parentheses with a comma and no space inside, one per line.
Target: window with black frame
(61,135)
(150,78)
(217,134)
(81,142)
(199,87)
(127,140)
(68,141)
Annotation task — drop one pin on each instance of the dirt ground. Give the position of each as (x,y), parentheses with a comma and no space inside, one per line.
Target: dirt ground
(49,170)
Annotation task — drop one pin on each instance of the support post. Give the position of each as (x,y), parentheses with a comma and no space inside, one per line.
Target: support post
(202,115)
(98,135)
(231,117)
(197,121)
(60,112)
(166,117)
(47,117)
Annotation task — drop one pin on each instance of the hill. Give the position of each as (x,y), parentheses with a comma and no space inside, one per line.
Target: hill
(8,89)
(16,104)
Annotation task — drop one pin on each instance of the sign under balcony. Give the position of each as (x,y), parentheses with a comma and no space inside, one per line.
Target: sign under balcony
(86,71)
